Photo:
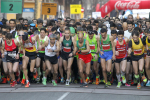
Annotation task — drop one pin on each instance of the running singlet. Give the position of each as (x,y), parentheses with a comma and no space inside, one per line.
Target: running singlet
(83,47)
(137,49)
(122,49)
(147,43)
(67,45)
(30,47)
(43,49)
(11,50)
(92,43)
(105,45)
(50,54)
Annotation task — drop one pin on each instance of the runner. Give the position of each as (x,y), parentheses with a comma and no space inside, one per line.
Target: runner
(51,60)
(121,54)
(148,58)
(41,53)
(12,57)
(29,54)
(94,45)
(107,54)
(83,50)
(136,50)
(67,42)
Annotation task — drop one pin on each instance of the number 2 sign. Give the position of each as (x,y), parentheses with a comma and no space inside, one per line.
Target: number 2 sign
(11,6)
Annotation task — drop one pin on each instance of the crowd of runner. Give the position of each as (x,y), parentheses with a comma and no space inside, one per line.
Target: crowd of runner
(85,51)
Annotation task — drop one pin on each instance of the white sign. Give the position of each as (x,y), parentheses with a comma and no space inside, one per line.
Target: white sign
(96,14)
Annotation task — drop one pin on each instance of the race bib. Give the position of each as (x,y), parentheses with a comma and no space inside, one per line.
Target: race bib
(137,51)
(67,49)
(92,47)
(12,54)
(121,51)
(106,47)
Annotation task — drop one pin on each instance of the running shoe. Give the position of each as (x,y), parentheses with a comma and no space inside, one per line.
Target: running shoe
(75,81)
(119,85)
(87,80)
(84,85)
(35,75)
(62,80)
(127,84)
(144,79)
(148,83)
(27,85)
(8,79)
(13,84)
(44,81)
(97,81)
(106,85)
(67,82)
(109,83)
(138,86)
(54,83)
(81,81)
(18,81)
(123,79)
(23,81)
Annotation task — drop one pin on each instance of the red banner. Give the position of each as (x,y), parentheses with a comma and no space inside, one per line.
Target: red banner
(123,5)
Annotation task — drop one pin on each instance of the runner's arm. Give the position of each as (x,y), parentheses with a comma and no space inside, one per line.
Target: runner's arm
(74,45)
(87,48)
(3,47)
(113,45)
(98,44)
(58,47)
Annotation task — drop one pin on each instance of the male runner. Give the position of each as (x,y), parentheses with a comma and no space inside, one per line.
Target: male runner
(94,45)
(82,45)
(121,54)
(51,60)
(12,57)
(107,53)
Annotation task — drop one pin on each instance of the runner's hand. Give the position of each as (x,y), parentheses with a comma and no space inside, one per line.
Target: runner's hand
(117,53)
(3,55)
(40,47)
(17,56)
(101,52)
(23,56)
(113,57)
(70,55)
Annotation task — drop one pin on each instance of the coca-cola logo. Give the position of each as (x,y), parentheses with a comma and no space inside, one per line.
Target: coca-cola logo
(127,5)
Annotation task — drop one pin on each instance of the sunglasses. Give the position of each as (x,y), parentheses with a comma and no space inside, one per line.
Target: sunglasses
(90,32)
(21,35)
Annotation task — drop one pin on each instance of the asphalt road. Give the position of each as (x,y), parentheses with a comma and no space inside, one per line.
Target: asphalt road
(72,92)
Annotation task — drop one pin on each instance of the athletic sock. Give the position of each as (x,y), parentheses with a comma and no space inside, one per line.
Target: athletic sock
(137,78)
(118,77)
(39,71)
(142,73)
(23,75)
(97,76)
(122,74)
(27,81)
(108,76)
(44,74)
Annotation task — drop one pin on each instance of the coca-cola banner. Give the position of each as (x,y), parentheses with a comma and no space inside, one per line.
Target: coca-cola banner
(123,5)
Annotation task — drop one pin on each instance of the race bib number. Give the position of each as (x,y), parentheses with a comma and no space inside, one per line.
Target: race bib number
(106,47)
(12,54)
(92,47)
(122,51)
(67,49)
(137,51)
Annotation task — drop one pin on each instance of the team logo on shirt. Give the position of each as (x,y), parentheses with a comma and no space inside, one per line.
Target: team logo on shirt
(67,44)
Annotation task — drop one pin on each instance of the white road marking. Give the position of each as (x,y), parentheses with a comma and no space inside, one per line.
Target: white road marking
(63,96)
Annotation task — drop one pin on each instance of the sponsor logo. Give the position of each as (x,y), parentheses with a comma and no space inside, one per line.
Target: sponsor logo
(127,5)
